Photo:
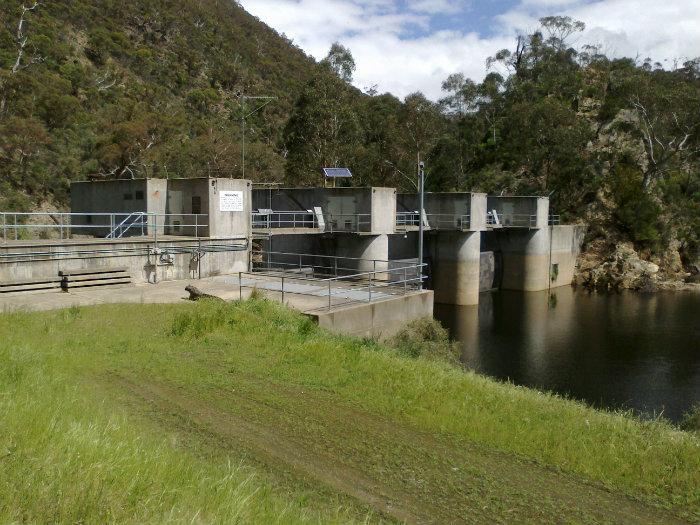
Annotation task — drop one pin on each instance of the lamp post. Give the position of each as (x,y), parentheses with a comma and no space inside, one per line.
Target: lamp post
(421,189)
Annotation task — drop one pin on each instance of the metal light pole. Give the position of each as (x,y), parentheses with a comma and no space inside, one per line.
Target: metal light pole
(421,189)
(245,116)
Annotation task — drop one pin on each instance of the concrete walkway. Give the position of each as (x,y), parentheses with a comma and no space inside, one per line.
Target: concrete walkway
(304,296)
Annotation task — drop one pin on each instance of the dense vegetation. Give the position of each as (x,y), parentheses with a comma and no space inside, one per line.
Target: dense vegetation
(158,88)
(247,412)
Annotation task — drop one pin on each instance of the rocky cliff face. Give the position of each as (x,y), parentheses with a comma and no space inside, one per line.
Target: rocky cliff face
(606,267)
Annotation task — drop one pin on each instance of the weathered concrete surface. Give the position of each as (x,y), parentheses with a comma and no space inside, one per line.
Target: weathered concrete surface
(532,212)
(380,319)
(489,272)
(567,241)
(132,253)
(383,210)
(455,260)
(366,210)
(536,259)
(223,224)
(368,248)
(178,197)
(376,319)
(448,210)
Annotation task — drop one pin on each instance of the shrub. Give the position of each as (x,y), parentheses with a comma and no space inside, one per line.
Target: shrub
(691,419)
(427,338)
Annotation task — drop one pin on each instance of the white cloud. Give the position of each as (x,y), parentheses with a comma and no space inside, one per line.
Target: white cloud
(390,52)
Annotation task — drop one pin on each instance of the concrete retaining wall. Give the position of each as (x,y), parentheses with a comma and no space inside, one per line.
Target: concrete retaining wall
(132,254)
(380,319)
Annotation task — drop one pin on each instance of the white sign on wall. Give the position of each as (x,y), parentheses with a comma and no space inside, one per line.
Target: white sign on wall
(230,201)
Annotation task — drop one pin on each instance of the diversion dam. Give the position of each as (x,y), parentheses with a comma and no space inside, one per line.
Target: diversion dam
(354,250)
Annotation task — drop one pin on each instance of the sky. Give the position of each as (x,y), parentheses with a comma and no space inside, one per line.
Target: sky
(403,46)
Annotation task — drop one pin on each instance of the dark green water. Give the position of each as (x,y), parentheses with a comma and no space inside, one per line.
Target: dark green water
(631,351)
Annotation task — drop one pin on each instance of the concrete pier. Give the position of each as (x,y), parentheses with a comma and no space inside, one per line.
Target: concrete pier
(455,271)
(537,259)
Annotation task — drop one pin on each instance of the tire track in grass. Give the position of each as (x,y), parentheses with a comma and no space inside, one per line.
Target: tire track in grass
(404,474)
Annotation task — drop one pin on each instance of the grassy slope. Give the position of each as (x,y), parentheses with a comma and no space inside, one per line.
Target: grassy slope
(248,412)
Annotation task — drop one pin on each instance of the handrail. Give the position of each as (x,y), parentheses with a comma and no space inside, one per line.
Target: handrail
(115,225)
(120,227)
(372,280)
(522,220)
(436,221)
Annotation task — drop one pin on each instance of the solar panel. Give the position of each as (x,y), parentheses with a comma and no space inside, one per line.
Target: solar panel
(337,173)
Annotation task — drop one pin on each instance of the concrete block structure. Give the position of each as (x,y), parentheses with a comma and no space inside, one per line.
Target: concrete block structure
(453,242)
(459,211)
(180,228)
(353,223)
(517,212)
(196,207)
(326,210)
(204,227)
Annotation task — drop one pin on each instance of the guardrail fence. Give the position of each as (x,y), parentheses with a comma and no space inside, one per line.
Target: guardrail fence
(58,225)
(387,278)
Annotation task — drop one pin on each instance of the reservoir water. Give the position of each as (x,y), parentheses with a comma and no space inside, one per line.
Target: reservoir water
(628,351)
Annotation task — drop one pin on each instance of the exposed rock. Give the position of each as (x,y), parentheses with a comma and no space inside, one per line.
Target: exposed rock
(621,270)
(606,267)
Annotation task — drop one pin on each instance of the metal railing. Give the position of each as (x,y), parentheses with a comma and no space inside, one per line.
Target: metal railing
(554,220)
(348,222)
(318,266)
(435,221)
(337,291)
(332,222)
(59,225)
(284,219)
(511,220)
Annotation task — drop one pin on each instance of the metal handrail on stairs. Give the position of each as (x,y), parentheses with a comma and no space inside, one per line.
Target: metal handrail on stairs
(124,226)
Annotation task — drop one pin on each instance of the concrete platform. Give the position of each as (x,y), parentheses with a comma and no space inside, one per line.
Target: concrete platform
(351,312)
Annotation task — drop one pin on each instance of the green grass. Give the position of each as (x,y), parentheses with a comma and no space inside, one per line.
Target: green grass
(248,413)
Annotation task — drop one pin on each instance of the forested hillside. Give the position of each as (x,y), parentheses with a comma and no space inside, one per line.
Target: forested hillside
(157,88)
(140,88)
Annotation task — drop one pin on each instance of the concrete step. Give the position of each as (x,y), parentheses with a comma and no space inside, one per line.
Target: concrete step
(94,277)
(92,283)
(30,285)
(92,271)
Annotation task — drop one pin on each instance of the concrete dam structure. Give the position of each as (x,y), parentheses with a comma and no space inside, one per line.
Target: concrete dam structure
(355,244)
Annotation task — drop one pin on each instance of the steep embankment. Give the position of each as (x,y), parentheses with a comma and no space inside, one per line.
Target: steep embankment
(144,88)
(247,412)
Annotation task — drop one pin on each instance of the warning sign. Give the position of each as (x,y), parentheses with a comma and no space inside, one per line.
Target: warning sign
(231,201)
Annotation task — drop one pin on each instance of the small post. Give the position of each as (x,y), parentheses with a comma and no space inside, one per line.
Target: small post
(299,263)
(370,288)
(155,229)
(15,221)
(240,287)
(405,282)
(283,289)
(196,226)
(4,227)
(329,295)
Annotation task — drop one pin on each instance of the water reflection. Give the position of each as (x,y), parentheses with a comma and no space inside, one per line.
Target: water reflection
(616,351)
